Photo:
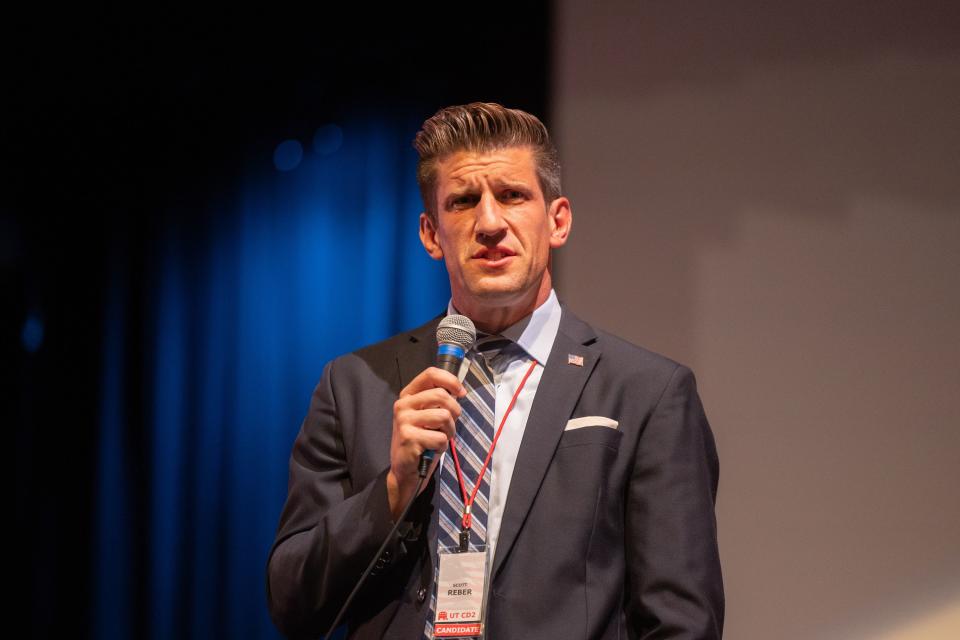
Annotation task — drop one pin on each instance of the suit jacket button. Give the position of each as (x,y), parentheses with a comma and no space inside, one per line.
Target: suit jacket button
(421,594)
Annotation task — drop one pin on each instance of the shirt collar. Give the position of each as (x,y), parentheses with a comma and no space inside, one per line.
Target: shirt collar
(536,332)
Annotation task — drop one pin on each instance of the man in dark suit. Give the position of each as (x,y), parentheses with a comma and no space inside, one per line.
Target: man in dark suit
(598,500)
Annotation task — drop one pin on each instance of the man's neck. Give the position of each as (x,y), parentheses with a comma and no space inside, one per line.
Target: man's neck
(493,319)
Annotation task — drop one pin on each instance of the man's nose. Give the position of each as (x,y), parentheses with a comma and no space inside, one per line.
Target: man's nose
(490,221)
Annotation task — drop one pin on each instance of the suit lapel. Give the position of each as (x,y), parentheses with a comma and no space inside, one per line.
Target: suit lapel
(557,395)
(418,352)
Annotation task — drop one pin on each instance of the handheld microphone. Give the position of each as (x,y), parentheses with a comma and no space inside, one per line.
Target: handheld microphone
(455,335)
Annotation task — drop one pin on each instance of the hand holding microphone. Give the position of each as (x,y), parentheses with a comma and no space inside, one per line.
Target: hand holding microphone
(424,419)
(425,414)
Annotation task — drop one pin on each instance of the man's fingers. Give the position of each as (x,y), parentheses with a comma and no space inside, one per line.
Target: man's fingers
(437,420)
(432,378)
(415,440)
(433,399)
(424,418)
(412,437)
(428,419)
(435,441)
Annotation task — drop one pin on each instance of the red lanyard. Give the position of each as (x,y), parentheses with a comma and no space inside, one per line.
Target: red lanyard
(468,501)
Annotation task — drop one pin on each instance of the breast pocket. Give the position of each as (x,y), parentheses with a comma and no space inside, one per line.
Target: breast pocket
(591,435)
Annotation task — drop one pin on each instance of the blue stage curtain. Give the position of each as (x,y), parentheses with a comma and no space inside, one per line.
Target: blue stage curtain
(242,303)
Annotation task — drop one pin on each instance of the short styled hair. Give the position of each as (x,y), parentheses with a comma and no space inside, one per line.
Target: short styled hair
(483,127)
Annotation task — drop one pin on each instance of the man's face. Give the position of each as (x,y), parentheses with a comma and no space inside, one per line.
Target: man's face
(494,230)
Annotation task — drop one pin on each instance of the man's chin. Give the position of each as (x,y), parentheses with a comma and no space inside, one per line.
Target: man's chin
(497,293)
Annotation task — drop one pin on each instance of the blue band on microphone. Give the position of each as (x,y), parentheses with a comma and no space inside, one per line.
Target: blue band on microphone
(450,350)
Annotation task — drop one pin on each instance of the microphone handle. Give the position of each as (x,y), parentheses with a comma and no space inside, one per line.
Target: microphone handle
(425,459)
(449,357)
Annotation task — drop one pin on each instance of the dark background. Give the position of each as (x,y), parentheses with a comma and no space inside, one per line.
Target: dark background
(125,121)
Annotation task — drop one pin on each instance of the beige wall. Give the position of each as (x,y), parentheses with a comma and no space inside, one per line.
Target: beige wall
(772,195)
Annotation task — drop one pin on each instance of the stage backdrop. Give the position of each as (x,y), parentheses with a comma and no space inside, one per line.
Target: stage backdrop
(314,253)
(768,192)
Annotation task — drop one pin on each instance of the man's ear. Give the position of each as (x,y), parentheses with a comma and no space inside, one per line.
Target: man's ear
(561,220)
(428,236)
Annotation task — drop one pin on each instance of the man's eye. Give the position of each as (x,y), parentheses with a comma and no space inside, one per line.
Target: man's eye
(513,194)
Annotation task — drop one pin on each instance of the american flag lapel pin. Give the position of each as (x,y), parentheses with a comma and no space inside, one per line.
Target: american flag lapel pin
(576,361)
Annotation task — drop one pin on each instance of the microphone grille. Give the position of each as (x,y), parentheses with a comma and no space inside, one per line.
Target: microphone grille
(458,330)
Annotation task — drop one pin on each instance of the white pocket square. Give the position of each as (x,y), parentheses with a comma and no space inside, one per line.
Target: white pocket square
(591,421)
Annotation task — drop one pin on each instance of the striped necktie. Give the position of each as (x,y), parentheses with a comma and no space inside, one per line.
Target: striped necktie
(475,432)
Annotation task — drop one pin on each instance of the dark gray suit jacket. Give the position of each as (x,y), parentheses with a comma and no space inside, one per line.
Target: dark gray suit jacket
(607,533)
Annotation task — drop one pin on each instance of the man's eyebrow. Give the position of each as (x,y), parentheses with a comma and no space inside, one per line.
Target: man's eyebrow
(466,190)
(517,183)
(455,195)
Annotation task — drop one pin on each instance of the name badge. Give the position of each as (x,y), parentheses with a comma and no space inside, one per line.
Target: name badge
(461,586)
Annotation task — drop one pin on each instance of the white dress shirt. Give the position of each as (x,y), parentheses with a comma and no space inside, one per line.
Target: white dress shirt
(535,334)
